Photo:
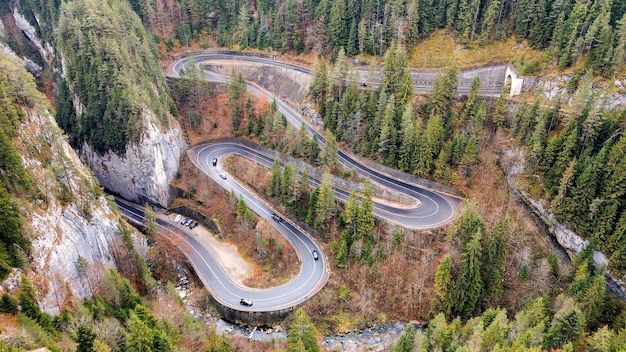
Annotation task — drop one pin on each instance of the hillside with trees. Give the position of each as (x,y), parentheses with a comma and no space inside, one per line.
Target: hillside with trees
(573,33)
(489,281)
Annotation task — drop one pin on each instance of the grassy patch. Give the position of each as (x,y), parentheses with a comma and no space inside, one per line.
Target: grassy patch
(440,49)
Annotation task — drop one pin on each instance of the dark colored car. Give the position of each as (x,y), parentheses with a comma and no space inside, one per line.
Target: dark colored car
(214,161)
(185,221)
(316,255)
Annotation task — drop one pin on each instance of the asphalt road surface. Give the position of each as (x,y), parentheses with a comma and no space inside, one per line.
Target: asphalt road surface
(433,209)
(311,278)
(492,77)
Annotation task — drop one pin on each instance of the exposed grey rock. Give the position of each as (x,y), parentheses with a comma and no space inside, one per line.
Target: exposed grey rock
(44,48)
(61,231)
(512,163)
(553,87)
(143,174)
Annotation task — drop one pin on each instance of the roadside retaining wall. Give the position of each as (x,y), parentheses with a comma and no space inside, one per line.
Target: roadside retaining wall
(380,192)
(251,318)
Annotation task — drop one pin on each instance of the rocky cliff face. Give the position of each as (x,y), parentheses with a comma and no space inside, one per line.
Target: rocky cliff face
(71,217)
(555,87)
(145,170)
(512,163)
(144,173)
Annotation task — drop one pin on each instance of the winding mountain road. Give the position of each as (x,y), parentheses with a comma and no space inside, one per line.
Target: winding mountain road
(433,209)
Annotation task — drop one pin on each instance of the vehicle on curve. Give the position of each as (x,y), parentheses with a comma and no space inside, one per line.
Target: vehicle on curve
(223,175)
(214,162)
(316,255)
(277,217)
(245,302)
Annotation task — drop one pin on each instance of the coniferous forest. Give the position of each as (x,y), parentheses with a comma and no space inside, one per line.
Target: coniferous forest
(575,156)
(591,32)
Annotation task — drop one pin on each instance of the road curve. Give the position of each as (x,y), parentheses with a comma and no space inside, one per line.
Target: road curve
(492,77)
(434,209)
(311,278)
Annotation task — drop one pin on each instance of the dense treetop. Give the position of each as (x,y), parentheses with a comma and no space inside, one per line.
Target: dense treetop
(572,31)
(112,68)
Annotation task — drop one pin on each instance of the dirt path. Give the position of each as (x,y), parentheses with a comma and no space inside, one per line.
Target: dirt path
(226,254)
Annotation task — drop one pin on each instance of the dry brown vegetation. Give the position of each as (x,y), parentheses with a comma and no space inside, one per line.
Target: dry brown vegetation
(400,286)
(211,200)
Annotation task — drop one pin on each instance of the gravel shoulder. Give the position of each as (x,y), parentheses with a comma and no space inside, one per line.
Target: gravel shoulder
(237,268)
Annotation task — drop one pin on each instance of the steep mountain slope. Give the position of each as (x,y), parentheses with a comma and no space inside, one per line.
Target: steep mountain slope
(111,96)
(60,208)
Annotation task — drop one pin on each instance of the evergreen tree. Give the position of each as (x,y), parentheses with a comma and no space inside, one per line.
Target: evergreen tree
(326,205)
(365,219)
(444,285)
(85,338)
(388,135)
(409,139)
(440,100)
(337,25)
(468,286)
(429,146)
(275,183)
(406,340)
(302,333)
(140,336)
(329,151)
(150,223)
(567,326)
(314,151)
(492,270)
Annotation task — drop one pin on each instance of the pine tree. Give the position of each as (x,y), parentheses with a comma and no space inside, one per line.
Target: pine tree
(409,139)
(85,338)
(329,151)
(406,340)
(319,83)
(288,186)
(275,183)
(150,223)
(314,151)
(302,333)
(352,208)
(337,24)
(388,135)
(492,270)
(594,299)
(567,326)
(468,286)
(140,336)
(440,100)
(326,205)
(444,285)
(429,146)
(365,220)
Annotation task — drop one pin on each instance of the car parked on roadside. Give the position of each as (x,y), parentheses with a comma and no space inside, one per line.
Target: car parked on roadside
(245,302)
(177,218)
(185,221)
